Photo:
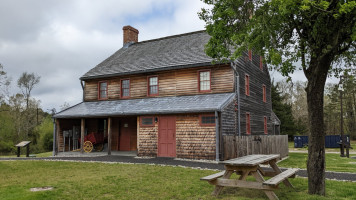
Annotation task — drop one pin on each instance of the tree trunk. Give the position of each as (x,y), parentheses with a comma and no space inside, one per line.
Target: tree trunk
(316,144)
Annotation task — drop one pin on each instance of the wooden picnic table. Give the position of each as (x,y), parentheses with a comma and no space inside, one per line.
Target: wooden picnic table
(250,165)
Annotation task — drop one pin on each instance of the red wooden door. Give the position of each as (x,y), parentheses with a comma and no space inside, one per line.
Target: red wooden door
(128,129)
(167,136)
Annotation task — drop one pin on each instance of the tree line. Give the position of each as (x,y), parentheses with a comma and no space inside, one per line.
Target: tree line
(289,101)
(21,117)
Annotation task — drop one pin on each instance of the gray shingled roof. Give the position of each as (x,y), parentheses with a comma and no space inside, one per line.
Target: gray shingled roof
(179,51)
(163,105)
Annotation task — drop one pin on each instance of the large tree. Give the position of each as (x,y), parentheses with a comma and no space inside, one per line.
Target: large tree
(26,83)
(4,83)
(319,34)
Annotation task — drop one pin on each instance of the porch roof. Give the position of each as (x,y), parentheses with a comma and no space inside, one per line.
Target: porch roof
(163,105)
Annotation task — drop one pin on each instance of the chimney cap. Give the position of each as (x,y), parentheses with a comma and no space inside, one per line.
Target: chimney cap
(128,27)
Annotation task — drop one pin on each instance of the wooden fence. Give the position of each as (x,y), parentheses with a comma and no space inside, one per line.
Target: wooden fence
(238,146)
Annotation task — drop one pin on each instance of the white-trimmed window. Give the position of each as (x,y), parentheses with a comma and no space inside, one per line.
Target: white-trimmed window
(204,81)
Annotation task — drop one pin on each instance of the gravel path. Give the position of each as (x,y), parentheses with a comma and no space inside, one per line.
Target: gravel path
(342,176)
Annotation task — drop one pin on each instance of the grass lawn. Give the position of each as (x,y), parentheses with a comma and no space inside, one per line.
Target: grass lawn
(45,154)
(333,162)
(74,180)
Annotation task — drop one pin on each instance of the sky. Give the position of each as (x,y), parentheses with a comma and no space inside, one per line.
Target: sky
(62,40)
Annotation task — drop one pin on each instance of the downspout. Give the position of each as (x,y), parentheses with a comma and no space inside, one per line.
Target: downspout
(82,84)
(237,91)
(217,135)
(54,137)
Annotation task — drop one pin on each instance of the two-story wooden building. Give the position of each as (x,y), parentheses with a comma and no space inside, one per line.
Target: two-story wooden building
(165,98)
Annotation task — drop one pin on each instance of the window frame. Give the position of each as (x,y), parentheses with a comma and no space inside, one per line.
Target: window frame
(247,85)
(121,88)
(99,90)
(264,93)
(199,88)
(206,115)
(144,125)
(248,123)
(250,55)
(149,86)
(265,128)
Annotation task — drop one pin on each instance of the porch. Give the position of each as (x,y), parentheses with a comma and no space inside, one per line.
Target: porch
(163,127)
(106,136)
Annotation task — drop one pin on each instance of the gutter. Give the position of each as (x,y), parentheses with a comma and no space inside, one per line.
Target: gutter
(82,84)
(217,137)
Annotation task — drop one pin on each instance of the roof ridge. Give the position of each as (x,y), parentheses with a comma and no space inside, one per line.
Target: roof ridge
(171,36)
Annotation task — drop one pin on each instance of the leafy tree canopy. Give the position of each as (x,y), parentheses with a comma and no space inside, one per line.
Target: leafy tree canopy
(284,31)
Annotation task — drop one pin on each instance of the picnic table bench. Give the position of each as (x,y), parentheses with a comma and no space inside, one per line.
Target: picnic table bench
(250,165)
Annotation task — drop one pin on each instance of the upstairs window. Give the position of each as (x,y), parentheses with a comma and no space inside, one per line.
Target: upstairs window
(264,93)
(207,120)
(247,85)
(250,55)
(153,86)
(204,81)
(125,88)
(261,63)
(265,125)
(248,125)
(103,90)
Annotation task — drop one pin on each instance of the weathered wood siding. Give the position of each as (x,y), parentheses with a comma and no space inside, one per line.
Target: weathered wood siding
(229,124)
(147,140)
(254,102)
(238,146)
(192,140)
(171,83)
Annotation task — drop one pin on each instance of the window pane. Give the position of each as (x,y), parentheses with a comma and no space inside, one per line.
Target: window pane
(208,119)
(153,90)
(125,92)
(103,86)
(126,84)
(103,94)
(125,88)
(103,90)
(147,121)
(204,76)
(153,81)
(204,80)
(205,85)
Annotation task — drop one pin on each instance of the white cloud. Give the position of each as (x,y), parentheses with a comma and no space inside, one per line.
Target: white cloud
(61,40)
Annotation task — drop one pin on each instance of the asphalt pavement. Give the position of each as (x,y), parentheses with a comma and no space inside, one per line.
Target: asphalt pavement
(341,176)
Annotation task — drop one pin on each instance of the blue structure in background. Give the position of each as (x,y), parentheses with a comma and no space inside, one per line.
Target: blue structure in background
(331,141)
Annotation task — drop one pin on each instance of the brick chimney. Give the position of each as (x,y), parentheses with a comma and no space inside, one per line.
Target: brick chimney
(130,34)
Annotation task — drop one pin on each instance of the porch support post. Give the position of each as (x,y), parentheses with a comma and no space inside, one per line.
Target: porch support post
(54,137)
(58,129)
(109,135)
(217,139)
(82,130)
